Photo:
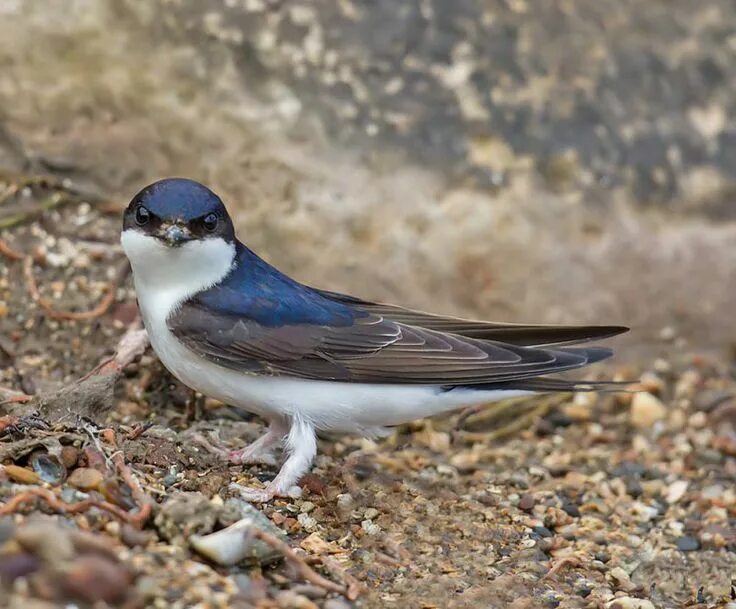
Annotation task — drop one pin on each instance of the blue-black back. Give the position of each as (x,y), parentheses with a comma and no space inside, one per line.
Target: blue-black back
(255,290)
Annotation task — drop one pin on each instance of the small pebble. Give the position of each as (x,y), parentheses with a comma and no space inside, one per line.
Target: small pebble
(94,579)
(583,589)
(69,456)
(85,478)
(48,541)
(646,410)
(345,501)
(22,474)
(634,488)
(602,556)
(308,523)
(676,491)
(620,577)
(527,502)
(370,528)
(315,544)
(18,564)
(687,544)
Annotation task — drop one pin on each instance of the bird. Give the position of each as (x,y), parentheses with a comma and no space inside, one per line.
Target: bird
(309,361)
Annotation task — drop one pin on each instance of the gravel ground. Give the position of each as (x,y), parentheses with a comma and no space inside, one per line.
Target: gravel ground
(616,500)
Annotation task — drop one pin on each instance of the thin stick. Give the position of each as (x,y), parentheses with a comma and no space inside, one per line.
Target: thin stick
(353,587)
(304,569)
(101,308)
(10,396)
(68,508)
(9,252)
(142,500)
(567,561)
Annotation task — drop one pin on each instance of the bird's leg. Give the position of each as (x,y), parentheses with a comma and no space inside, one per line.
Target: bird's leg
(256,452)
(301,445)
(260,450)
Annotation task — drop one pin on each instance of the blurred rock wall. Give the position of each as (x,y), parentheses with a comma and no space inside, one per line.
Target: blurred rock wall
(563,161)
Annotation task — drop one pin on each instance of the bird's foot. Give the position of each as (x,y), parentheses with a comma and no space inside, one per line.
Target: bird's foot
(211,445)
(260,451)
(263,495)
(250,455)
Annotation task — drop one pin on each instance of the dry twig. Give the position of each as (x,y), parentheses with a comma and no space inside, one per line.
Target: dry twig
(507,416)
(10,396)
(567,561)
(142,500)
(302,567)
(12,506)
(101,308)
(9,252)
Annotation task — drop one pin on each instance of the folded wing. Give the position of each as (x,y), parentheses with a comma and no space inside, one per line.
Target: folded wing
(384,344)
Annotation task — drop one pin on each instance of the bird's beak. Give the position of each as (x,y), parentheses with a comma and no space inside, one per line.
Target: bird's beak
(175,234)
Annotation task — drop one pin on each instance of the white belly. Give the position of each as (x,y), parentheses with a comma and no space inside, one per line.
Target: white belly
(329,405)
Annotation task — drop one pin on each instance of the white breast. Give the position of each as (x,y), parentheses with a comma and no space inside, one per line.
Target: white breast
(164,277)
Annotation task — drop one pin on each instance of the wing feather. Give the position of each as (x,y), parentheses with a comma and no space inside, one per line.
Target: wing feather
(517,334)
(373,349)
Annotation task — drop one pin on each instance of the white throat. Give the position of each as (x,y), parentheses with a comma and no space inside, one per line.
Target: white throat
(166,276)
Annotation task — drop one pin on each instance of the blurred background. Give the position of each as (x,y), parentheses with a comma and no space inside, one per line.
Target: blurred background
(560,161)
(547,162)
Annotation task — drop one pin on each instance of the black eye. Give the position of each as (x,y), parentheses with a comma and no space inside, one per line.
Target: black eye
(210,222)
(142,215)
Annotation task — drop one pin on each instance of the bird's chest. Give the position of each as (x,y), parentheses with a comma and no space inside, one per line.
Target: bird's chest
(228,386)
(169,349)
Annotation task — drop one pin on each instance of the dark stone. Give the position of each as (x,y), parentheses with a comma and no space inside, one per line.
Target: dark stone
(17,565)
(542,531)
(602,556)
(687,544)
(527,502)
(633,487)
(628,468)
(583,590)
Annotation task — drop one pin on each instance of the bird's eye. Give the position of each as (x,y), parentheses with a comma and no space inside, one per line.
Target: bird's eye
(142,215)
(210,222)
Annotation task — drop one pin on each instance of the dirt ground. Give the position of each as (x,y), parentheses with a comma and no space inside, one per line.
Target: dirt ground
(615,500)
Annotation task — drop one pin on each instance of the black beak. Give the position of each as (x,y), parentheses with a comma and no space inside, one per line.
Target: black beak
(175,235)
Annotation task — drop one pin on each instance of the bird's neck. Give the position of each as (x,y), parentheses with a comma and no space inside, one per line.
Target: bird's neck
(165,277)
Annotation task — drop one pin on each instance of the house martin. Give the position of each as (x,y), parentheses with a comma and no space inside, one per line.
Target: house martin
(231,326)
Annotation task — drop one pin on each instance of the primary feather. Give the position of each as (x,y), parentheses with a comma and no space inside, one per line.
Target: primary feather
(261,321)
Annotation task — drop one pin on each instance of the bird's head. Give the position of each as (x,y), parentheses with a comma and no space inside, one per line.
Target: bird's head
(176,211)
(175,227)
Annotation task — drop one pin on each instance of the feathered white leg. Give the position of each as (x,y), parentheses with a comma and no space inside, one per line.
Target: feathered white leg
(301,445)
